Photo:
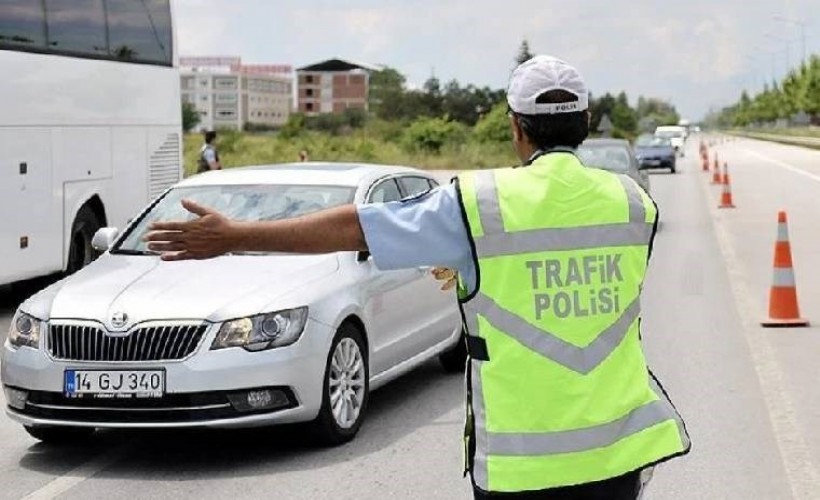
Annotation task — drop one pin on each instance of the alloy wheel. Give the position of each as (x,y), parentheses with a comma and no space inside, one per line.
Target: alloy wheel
(346,383)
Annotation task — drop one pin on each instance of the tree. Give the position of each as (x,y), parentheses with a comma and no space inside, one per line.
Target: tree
(524,53)
(386,92)
(190,116)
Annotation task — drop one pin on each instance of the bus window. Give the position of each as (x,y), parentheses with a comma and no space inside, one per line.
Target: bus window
(22,24)
(140,30)
(76,26)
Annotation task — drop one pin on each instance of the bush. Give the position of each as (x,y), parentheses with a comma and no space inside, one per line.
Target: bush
(431,134)
(227,140)
(494,126)
(293,127)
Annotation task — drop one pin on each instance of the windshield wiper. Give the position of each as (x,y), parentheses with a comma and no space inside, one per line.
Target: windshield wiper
(129,251)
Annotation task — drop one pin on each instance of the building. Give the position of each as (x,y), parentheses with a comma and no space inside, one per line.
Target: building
(333,86)
(229,94)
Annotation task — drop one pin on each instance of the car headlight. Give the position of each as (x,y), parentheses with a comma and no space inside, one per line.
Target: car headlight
(24,331)
(265,331)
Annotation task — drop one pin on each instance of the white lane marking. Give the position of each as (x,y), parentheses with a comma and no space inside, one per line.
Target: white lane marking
(783,164)
(795,454)
(72,478)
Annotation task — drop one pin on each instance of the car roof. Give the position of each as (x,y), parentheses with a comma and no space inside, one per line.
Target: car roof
(313,173)
(605,142)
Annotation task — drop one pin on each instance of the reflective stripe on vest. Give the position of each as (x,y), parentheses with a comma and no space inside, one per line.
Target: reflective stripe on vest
(494,241)
(579,359)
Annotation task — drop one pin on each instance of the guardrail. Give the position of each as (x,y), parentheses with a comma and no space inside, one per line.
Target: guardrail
(810,142)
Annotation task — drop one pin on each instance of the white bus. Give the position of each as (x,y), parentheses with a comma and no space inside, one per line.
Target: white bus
(90,125)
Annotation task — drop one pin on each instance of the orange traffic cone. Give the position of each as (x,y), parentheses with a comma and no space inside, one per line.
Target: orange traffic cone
(705,163)
(716,177)
(783,308)
(726,196)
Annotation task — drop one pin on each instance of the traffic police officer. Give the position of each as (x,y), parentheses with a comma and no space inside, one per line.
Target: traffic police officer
(551,259)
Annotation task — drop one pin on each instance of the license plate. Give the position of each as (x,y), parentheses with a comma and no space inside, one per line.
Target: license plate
(653,163)
(115,383)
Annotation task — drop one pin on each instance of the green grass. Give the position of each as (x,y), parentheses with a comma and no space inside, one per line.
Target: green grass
(243,149)
(791,132)
(771,135)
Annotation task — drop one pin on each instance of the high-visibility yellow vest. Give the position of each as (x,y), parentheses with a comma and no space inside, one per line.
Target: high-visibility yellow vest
(559,390)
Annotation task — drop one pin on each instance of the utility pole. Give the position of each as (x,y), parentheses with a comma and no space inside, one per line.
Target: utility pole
(788,49)
(802,25)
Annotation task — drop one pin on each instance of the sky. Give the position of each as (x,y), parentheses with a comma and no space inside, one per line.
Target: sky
(698,54)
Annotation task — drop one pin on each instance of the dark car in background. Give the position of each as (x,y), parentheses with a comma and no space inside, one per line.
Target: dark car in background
(655,152)
(614,155)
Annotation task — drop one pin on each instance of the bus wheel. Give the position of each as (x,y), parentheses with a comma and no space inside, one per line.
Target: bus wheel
(81,253)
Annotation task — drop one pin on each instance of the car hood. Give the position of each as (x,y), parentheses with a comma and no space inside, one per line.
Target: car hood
(146,288)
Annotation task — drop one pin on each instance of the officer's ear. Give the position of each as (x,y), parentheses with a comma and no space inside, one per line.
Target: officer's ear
(517,131)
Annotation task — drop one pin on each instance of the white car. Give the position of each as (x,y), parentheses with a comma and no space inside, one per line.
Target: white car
(241,340)
(676,135)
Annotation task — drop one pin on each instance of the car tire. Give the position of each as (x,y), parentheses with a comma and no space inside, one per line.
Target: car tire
(673,169)
(81,253)
(327,428)
(59,435)
(454,359)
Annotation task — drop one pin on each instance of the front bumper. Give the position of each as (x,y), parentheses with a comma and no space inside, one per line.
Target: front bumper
(197,388)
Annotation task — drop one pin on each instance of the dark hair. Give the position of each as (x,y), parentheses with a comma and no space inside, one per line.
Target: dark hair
(210,136)
(560,129)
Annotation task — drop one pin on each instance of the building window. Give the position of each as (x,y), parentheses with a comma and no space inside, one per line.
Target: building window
(308,78)
(225,114)
(309,92)
(226,98)
(225,83)
(309,106)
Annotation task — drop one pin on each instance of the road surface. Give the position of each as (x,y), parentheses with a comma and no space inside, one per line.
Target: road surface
(748,394)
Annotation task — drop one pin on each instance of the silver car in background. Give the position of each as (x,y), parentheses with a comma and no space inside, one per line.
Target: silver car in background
(614,155)
(241,340)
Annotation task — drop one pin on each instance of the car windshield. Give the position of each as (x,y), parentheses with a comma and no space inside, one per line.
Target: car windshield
(651,141)
(669,134)
(259,202)
(607,157)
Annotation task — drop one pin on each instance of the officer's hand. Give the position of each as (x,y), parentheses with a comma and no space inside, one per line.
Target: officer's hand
(447,275)
(209,235)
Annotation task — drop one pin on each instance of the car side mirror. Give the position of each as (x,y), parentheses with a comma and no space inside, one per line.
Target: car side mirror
(362,256)
(104,238)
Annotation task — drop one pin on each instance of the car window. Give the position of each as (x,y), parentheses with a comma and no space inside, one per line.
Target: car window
(414,186)
(386,191)
(612,158)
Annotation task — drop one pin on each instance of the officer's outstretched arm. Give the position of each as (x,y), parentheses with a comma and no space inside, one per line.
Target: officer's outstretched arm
(212,234)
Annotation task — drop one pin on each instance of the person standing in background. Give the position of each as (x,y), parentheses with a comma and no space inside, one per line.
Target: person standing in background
(208,155)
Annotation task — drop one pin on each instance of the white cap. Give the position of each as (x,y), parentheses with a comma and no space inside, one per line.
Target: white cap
(542,74)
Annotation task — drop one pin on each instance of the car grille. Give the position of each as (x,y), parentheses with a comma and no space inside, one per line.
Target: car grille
(171,408)
(149,343)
